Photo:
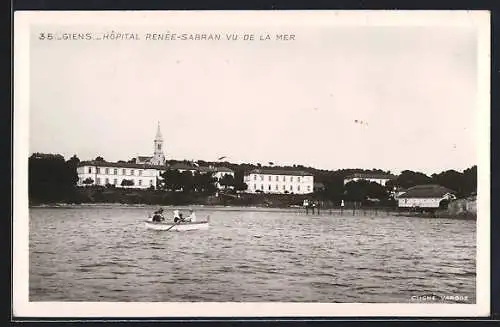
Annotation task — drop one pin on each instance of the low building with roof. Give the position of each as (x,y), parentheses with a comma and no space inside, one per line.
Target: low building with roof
(280,181)
(379,178)
(425,196)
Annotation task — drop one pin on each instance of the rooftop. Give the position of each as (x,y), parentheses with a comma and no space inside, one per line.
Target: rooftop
(182,166)
(371,176)
(201,169)
(119,165)
(144,158)
(279,172)
(426,191)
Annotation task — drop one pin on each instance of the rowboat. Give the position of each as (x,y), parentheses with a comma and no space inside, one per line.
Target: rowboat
(179,227)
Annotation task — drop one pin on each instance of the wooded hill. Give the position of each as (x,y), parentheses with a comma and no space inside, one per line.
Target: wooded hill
(52,179)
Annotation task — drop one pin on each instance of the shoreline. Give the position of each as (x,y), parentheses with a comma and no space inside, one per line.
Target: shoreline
(324,212)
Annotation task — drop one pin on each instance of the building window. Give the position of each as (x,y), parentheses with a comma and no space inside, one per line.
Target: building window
(284,187)
(254,177)
(107,171)
(277,178)
(308,188)
(298,179)
(269,187)
(254,186)
(107,181)
(140,172)
(132,172)
(276,187)
(291,187)
(97,181)
(90,170)
(261,187)
(284,179)
(115,171)
(298,187)
(269,178)
(261,178)
(291,178)
(151,182)
(123,172)
(140,182)
(98,170)
(115,181)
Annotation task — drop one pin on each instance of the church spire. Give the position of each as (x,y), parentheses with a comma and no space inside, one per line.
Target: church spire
(158,155)
(158,132)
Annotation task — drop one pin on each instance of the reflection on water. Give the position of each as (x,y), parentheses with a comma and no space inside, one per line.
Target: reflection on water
(106,254)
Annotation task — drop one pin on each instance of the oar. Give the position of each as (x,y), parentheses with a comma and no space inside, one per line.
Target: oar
(177,223)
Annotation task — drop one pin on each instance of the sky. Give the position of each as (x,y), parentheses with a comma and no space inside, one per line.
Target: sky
(386,97)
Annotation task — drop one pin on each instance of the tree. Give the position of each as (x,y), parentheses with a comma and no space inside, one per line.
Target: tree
(133,160)
(88,181)
(74,159)
(186,181)
(127,182)
(71,167)
(451,179)
(240,186)
(377,191)
(205,183)
(361,190)
(171,180)
(227,181)
(469,180)
(99,158)
(51,178)
(409,178)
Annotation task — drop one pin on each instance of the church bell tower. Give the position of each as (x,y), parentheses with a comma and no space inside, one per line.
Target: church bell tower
(158,155)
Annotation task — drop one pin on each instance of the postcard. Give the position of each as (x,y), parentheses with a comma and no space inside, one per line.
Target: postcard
(251,164)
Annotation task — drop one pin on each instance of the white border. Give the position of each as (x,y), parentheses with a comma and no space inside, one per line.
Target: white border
(296,19)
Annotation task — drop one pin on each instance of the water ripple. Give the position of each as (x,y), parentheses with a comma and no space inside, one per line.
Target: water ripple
(88,254)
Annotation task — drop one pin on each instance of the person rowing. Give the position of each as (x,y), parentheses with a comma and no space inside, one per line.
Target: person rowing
(178,217)
(158,215)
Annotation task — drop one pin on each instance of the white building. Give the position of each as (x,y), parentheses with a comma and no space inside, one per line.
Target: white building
(425,196)
(111,173)
(279,181)
(381,179)
(144,173)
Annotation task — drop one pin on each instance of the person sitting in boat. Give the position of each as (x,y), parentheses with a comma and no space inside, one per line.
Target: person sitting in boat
(192,216)
(158,215)
(177,216)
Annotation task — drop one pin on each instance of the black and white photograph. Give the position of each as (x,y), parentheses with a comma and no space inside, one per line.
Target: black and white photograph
(251,163)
